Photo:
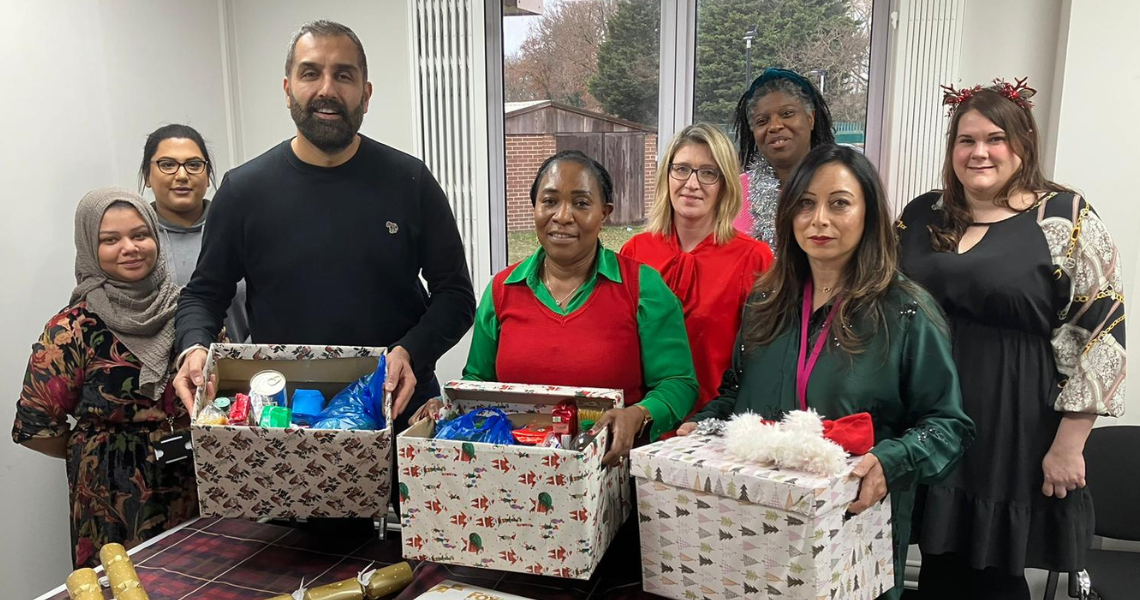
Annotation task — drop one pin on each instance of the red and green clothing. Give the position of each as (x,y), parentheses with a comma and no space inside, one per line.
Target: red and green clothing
(712,281)
(622,329)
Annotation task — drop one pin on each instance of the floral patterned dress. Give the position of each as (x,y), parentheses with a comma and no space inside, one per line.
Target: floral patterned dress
(117,492)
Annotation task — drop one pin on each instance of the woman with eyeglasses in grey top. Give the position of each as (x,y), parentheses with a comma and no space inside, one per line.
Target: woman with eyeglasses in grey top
(176,167)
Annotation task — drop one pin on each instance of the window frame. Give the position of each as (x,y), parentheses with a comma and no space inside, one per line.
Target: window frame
(678,48)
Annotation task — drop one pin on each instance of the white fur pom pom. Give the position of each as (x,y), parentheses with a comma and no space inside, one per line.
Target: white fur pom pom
(817,456)
(795,444)
(748,438)
(805,422)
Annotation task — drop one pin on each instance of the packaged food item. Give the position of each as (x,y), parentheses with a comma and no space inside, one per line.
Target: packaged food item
(592,415)
(240,410)
(270,385)
(222,403)
(212,416)
(532,435)
(565,417)
(256,405)
(307,405)
(552,440)
(275,416)
(523,419)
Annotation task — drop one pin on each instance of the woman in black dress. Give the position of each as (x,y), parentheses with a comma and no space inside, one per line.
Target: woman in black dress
(1030,281)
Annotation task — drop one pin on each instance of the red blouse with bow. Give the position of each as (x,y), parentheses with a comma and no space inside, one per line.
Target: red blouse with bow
(712,281)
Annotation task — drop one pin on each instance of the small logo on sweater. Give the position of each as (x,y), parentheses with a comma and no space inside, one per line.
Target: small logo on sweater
(393,228)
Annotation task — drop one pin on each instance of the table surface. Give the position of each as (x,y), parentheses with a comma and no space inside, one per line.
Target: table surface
(233,559)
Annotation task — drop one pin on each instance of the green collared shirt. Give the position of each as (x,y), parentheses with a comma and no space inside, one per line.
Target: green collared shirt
(666,362)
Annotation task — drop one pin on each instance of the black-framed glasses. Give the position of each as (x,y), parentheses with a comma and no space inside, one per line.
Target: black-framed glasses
(683,172)
(194,166)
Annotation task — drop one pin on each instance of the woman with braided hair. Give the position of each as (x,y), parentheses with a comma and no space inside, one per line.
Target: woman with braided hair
(1031,283)
(778,120)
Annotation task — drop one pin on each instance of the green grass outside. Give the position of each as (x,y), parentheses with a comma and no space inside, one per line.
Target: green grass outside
(521,244)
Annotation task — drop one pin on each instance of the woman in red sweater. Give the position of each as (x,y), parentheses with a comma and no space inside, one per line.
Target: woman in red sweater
(690,240)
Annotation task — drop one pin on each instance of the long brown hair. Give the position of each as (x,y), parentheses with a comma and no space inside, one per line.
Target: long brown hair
(1021,131)
(777,295)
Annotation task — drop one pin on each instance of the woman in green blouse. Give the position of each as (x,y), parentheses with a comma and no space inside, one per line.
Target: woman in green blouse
(873,341)
(576,314)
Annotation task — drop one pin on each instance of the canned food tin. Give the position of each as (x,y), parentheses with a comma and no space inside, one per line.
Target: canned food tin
(270,385)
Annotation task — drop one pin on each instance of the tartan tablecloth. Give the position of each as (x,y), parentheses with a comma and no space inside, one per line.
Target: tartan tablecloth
(232,559)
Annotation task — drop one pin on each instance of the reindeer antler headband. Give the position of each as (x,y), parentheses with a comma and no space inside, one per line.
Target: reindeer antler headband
(1017,92)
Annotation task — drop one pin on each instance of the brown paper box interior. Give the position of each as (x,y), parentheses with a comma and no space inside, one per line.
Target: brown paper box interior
(329,376)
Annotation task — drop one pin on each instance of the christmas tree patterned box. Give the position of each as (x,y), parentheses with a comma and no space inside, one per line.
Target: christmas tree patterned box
(256,472)
(715,528)
(526,509)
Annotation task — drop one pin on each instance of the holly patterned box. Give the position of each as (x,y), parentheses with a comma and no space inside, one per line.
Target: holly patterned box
(716,528)
(527,509)
(254,472)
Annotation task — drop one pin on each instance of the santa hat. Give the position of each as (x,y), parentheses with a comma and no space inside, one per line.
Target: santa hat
(802,441)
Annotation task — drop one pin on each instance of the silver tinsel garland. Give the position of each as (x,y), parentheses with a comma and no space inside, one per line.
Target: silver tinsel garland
(763,195)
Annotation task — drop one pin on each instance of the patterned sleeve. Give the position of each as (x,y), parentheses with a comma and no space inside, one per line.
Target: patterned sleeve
(1089,343)
(53,380)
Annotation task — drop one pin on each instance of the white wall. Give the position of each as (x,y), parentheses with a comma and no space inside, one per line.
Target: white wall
(86,81)
(1012,39)
(1076,53)
(1097,135)
(262,30)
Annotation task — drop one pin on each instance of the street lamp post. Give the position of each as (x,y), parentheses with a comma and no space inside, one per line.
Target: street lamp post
(748,37)
(822,76)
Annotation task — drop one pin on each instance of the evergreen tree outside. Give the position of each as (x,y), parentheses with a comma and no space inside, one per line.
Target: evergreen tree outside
(628,74)
(783,27)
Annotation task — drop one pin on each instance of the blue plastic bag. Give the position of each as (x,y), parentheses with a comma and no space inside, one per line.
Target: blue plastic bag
(487,425)
(307,406)
(358,406)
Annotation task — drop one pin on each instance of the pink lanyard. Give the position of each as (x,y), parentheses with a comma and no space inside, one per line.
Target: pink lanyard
(804,368)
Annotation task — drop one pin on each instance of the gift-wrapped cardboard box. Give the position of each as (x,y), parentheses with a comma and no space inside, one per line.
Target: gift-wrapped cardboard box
(454,590)
(528,509)
(717,528)
(254,472)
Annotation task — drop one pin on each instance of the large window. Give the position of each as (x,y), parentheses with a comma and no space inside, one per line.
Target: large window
(606,76)
(827,41)
(582,75)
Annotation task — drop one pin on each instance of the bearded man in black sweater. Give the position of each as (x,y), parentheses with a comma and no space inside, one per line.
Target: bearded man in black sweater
(332,232)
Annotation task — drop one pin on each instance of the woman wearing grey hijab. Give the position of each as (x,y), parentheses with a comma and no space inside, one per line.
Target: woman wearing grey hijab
(104,361)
